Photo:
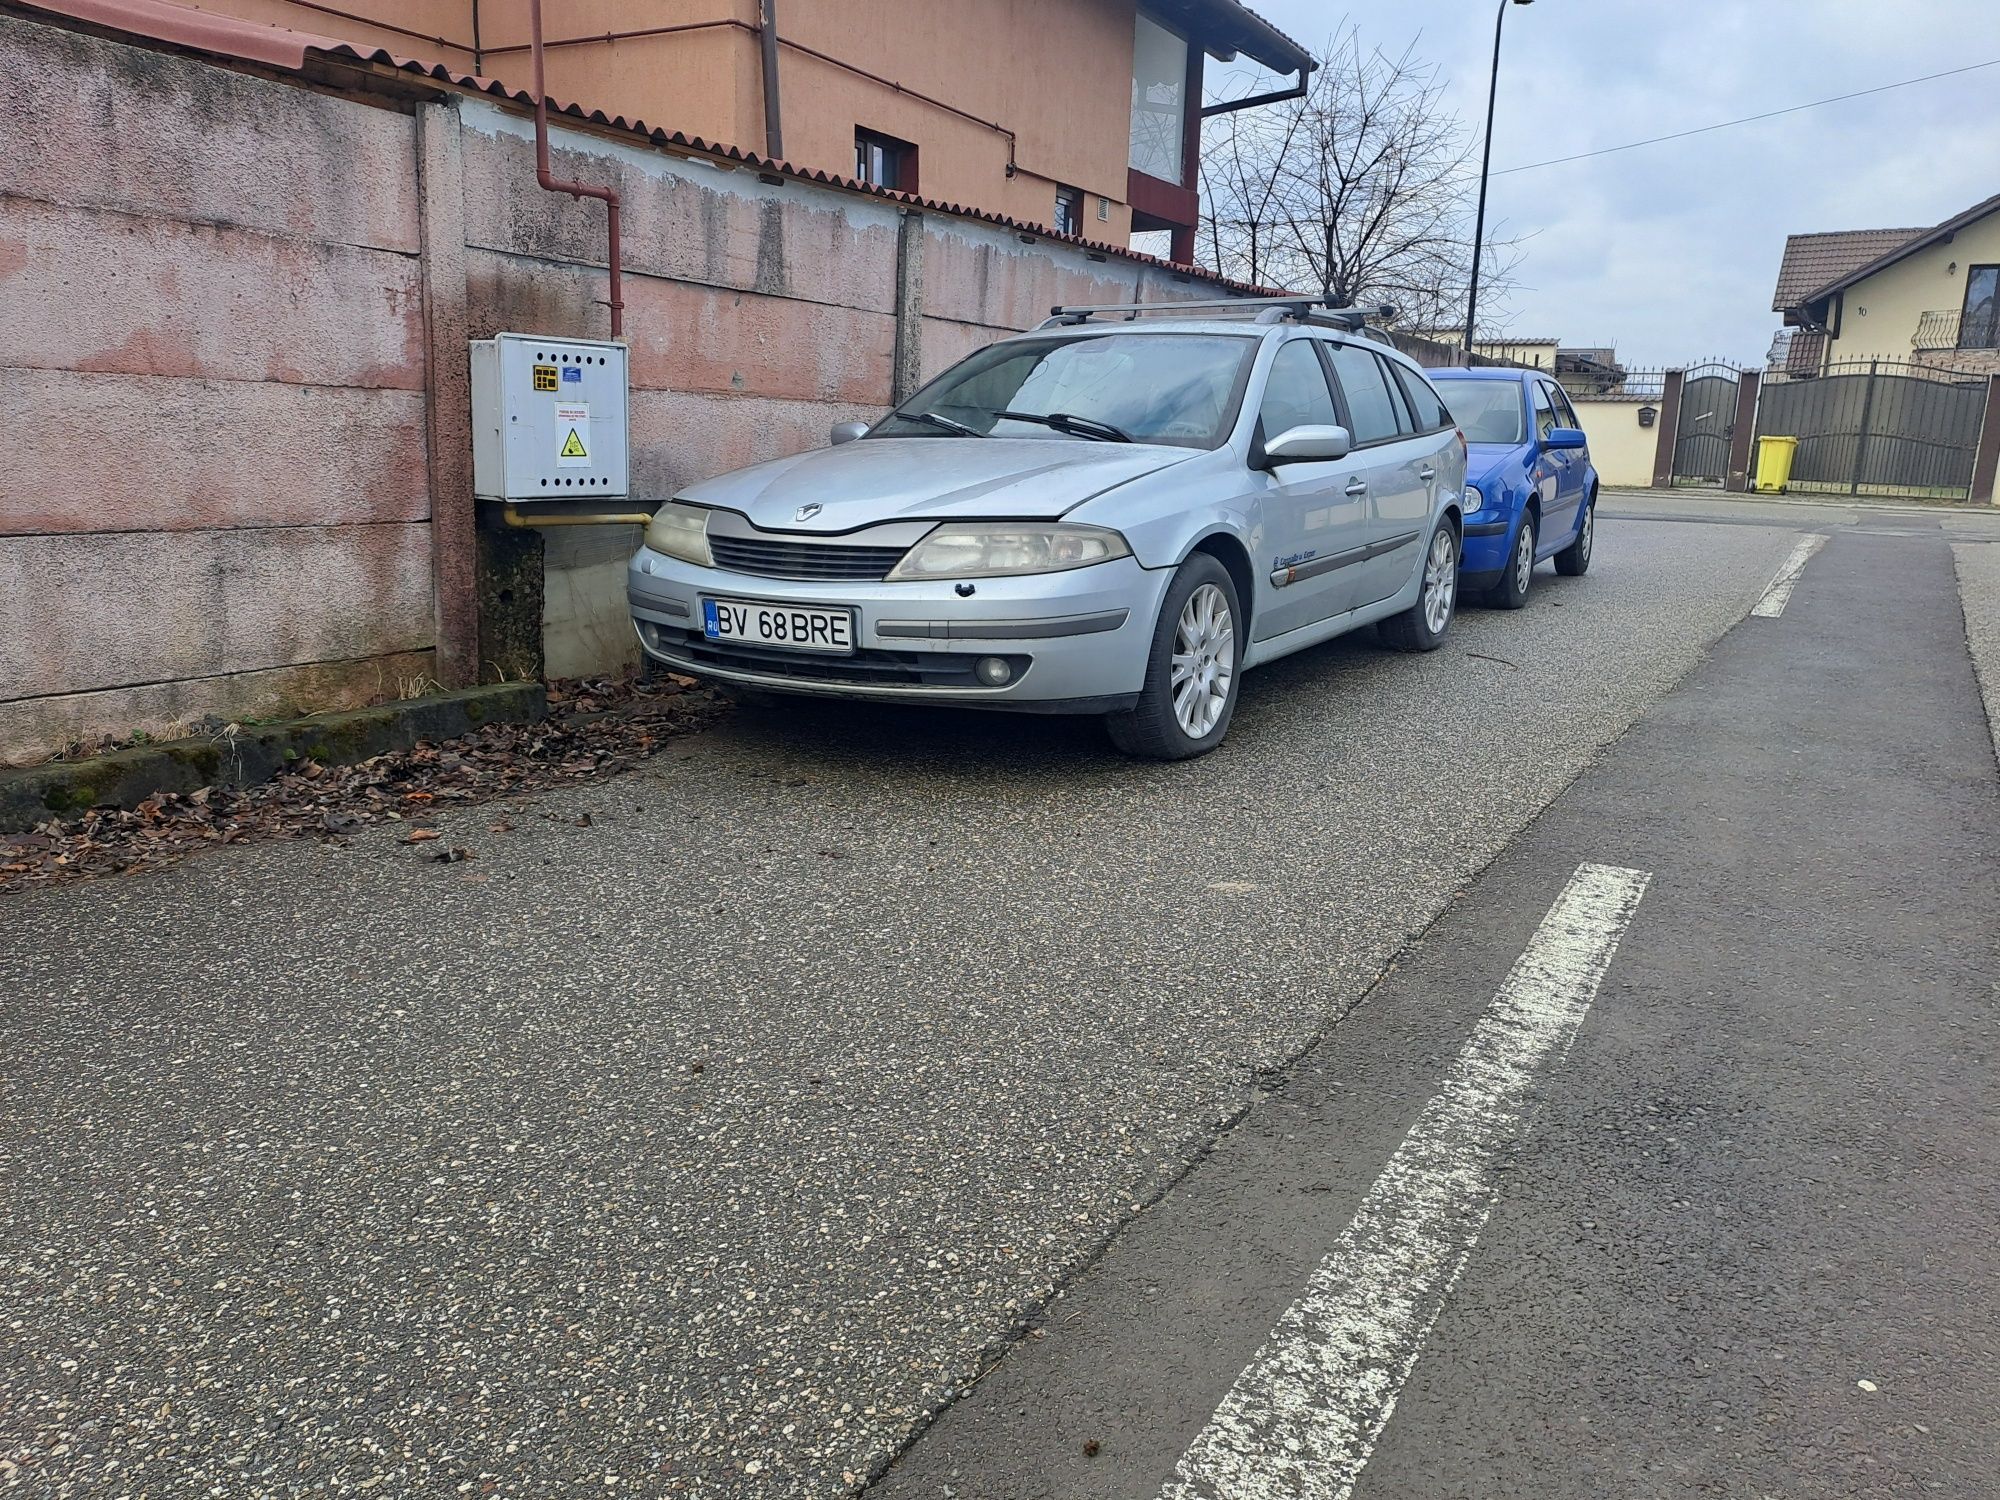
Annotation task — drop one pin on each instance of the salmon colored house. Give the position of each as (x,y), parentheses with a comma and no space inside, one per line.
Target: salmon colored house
(1080,115)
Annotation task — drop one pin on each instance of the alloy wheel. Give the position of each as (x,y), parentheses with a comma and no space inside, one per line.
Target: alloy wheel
(1524,558)
(1583,538)
(1204,660)
(1441,580)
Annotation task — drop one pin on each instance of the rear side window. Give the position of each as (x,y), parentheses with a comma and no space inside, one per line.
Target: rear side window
(1371,406)
(1405,423)
(1296,395)
(1424,401)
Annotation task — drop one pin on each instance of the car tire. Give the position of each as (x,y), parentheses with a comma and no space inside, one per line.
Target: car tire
(1574,560)
(1201,620)
(1518,575)
(1422,626)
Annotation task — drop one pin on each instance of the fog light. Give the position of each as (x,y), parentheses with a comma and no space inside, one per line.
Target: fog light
(993,671)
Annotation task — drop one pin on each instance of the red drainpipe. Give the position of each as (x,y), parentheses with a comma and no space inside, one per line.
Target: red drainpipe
(574,189)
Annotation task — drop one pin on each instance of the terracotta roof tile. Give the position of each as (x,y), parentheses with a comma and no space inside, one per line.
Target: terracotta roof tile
(1813,260)
(285,49)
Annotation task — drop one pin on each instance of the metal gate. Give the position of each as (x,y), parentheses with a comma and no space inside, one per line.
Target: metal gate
(1877,427)
(1707,422)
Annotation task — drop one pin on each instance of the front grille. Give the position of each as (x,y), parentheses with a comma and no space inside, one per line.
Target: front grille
(806,560)
(866,666)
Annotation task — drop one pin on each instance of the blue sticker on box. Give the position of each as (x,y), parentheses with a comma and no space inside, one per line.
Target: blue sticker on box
(572,374)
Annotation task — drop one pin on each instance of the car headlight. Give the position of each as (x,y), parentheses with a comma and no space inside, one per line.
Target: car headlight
(680,531)
(1474,501)
(990,550)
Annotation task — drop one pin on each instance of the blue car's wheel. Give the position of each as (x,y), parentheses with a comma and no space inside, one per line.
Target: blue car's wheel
(1511,592)
(1575,558)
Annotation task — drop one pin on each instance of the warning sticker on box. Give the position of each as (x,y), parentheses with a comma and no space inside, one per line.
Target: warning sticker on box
(572,434)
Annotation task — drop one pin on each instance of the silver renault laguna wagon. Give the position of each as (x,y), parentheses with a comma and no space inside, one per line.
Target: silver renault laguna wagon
(1109,515)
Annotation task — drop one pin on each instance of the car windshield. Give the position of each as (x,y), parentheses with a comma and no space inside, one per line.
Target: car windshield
(1487,411)
(1180,389)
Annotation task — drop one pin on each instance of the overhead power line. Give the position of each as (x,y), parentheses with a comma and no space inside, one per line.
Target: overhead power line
(1769,114)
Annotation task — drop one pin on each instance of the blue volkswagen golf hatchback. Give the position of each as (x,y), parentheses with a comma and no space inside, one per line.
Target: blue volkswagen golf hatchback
(1530,490)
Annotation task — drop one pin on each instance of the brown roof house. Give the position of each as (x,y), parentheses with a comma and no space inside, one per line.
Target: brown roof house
(1923,296)
(1083,116)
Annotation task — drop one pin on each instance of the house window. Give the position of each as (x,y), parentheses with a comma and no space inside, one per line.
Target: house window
(1069,210)
(885,161)
(1159,108)
(1979,323)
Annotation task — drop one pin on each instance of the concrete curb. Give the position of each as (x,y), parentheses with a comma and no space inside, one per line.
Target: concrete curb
(125,778)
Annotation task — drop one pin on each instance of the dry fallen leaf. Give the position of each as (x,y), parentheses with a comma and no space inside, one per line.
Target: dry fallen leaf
(625,722)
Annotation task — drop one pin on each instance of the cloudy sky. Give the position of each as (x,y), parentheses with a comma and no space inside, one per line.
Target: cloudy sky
(1670,251)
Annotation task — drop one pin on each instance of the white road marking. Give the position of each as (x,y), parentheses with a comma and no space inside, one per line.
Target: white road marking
(1303,1418)
(1773,603)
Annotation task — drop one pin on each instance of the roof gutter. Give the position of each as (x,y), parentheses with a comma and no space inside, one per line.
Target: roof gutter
(1230,106)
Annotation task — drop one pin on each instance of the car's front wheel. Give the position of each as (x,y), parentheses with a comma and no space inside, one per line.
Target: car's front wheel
(1421,627)
(1511,592)
(1193,670)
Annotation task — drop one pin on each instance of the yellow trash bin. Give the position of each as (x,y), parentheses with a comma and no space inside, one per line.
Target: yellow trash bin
(1774,463)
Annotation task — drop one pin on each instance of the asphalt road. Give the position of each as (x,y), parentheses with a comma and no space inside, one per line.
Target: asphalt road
(713,1145)
(1743,1247)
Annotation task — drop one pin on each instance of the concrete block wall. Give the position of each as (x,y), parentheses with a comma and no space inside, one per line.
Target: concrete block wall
(759,314)
(233,312)
(211,329)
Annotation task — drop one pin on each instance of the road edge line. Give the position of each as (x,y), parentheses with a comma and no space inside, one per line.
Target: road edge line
(1771,603)
(1303,1417)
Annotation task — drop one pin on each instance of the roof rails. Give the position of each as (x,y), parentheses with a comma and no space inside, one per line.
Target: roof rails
(1319,311)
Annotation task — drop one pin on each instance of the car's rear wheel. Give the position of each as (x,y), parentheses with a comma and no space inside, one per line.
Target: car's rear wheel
(1192,672)
(1421,627)
(1574,560)
(1511,592)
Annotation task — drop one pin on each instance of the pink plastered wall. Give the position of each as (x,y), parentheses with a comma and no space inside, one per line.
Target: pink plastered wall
(211,327)
(233,312)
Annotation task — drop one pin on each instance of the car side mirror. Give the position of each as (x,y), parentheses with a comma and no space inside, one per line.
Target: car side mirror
(847,432)
(1309,443)
(1565,437)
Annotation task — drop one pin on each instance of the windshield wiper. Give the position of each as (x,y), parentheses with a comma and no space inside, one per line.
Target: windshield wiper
(945,422)
(1075,426)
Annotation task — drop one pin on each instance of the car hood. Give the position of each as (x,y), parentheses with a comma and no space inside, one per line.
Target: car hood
(900,479)
(1494,462)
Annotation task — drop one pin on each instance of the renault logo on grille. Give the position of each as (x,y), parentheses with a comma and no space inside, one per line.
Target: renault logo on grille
(806,513)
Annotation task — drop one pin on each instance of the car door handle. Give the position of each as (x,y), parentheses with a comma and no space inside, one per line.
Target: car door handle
(1427,474)
(1357,486)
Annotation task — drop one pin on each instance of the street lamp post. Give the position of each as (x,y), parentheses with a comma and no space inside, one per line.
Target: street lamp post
(1485,161)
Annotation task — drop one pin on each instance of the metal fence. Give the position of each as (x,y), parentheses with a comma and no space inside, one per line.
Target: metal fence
(1642,385)
(1876,427)
(1707,424)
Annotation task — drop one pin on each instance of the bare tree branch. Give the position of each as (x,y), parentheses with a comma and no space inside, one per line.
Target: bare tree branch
(1361,189)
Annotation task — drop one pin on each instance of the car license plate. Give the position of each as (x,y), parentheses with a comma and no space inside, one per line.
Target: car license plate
(796,627)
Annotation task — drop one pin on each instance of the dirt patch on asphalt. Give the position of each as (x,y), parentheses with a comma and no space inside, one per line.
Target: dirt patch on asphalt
(596,727)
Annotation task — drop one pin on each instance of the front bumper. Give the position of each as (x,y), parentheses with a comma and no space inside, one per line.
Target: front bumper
(1077,641)
(1488,539)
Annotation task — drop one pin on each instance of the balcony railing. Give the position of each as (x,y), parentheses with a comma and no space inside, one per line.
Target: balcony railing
(1936,330)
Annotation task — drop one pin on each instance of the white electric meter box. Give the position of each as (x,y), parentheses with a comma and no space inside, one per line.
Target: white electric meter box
(548,418)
